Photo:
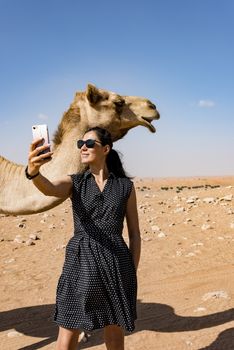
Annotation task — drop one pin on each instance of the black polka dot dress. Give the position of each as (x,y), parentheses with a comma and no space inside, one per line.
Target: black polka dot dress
(98,284)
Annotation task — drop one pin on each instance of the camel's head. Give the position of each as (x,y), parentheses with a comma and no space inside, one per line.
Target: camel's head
(116,113)
(138,111)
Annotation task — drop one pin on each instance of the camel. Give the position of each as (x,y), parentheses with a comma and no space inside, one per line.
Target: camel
(93,107)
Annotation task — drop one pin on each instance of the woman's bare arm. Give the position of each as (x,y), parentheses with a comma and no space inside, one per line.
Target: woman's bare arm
(60,188)
(133,227)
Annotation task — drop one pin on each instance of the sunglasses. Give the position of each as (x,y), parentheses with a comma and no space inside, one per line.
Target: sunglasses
(90,143)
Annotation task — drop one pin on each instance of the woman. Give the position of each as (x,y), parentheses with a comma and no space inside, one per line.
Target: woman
(98,284)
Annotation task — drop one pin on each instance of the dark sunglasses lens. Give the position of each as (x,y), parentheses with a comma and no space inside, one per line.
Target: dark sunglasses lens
(90,143)
(80,143)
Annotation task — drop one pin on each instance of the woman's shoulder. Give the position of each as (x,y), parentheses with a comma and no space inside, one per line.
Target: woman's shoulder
(124,179)
(126,184)
(77,177)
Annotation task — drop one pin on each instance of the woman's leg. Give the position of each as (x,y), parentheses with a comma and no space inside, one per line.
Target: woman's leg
(67,339)
(114,337)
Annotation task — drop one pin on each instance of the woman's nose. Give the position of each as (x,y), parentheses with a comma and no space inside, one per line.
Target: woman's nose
(84,147)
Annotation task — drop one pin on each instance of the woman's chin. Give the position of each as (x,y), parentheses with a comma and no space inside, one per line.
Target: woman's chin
(85,161)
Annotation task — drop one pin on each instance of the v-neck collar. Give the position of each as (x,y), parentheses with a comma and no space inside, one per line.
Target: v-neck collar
(98,188)
(89,174)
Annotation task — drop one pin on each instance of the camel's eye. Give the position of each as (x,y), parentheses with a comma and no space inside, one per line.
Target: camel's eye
(151,105)
(119,106)
(119,103)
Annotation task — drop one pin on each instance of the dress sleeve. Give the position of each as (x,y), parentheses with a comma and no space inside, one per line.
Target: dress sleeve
(129,186)
(76,180)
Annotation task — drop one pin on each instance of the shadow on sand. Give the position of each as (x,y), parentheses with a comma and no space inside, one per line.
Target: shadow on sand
(225,341)
(36,321)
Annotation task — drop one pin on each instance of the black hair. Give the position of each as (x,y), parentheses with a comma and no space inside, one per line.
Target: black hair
(113,161)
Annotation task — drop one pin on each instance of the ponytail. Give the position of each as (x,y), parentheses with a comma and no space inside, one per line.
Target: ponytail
(114,164)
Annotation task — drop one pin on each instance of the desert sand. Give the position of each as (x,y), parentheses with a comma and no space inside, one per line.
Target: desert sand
(185,276)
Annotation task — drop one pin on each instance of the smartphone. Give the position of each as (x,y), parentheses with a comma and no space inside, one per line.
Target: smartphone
(41,131)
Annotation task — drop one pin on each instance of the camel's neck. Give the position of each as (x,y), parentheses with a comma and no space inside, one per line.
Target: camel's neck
(66,158)
(9,174)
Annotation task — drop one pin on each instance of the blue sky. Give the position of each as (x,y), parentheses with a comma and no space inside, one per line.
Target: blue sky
(177,53)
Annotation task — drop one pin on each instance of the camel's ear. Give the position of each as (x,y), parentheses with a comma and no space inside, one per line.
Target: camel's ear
(93,94)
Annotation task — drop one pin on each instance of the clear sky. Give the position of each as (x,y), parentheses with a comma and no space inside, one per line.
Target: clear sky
(177,53)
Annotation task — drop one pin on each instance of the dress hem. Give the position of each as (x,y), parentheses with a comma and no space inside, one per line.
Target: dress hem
(96,328)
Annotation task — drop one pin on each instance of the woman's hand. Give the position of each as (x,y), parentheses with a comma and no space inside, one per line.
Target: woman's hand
(36,160)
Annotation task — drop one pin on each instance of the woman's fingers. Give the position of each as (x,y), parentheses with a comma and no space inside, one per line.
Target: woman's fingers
(36,151)
(35,143)
(35,158)
(40,159)
(37,147)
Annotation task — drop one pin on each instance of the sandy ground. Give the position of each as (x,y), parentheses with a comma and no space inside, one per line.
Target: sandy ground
(185,277)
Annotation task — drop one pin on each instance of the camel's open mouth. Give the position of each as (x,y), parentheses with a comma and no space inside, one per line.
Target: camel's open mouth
(147,123)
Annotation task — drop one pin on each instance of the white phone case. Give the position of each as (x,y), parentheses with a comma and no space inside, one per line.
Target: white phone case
(41,131)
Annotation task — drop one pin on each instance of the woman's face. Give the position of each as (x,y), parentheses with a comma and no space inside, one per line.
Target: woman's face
(97,154)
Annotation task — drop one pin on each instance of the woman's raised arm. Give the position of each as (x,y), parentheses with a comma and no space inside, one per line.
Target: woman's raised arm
(60,188)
